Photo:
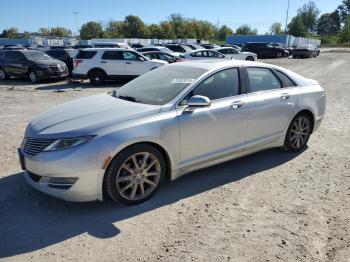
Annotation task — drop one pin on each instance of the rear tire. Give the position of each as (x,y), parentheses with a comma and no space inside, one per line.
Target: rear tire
(3,75)
(135,174)
(97,78)
(298,133)
(249,58)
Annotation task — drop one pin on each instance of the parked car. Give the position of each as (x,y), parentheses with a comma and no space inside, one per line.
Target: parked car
(235,54)
(35,65)
(265,50)
(233,46)
(64,55)
(111,45)
(101,64)
(155,48)
(288,48)
(162,56)
(177,48)
(203,54)
(135,46)
(209,46)
(194,46)
(307,51)
(168,122)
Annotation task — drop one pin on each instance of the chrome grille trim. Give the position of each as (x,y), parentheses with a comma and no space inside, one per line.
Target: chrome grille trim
(34,146)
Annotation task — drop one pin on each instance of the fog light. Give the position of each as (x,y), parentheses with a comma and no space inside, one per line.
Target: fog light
(62,182)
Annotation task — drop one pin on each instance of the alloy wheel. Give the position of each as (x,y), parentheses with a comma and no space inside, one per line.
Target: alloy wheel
(32,77)
(300,132)
(138,176)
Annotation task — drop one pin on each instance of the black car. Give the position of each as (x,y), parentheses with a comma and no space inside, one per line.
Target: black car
(64,55)
(35,65)
(162,56)
(265,50)
(307,51)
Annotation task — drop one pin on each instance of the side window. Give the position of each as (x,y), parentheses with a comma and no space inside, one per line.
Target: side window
(130,56)
(287,82)
(166,57)
(234,51)
(86,54)
(16,56)
(201,54)
(224,51)
(262,79)
(153,56)
(214,54)
(112,55)
(220,85)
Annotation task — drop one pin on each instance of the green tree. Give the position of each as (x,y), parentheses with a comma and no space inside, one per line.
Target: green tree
(246,30)
(91,30)
(296,27)
(155,31)
(114,29)
(276,29)
(60,31)
(345,32)
(44,31)
(329,24)
(9,33)
(309,13)
(134,27)
(167,31)
(178,24)
(344,10)
(223,32)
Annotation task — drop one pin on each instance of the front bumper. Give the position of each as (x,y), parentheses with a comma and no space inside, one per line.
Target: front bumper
(41,168)
(46,75)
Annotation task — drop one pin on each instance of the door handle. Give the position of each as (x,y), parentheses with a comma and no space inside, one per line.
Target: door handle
(128,63)
(237,104)
(285,96)
(103,62)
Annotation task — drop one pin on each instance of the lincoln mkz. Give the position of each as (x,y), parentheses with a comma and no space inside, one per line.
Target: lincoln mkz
(168,122)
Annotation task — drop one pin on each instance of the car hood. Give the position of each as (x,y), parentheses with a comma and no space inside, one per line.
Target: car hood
(50,62)
(86,115)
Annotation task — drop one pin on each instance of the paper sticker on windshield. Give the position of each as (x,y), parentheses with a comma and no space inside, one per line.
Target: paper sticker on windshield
(183,81)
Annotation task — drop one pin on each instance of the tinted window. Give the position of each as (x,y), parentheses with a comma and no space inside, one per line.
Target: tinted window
(287,82)
(220,85)
(112,55)
(262,79)
(15,56)
(130,56)
(201,54)
(214,54)
(86,54)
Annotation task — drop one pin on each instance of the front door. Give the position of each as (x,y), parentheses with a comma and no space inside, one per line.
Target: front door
(213,131)
(112,62)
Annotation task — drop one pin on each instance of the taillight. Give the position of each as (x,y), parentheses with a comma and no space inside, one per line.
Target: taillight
(77,62)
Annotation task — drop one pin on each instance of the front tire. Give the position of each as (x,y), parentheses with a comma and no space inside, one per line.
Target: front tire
(298,133)
(33,77)
(135,174)
(3,75)
(249,58)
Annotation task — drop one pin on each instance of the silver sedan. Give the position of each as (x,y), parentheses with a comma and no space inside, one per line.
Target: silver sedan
(166,123)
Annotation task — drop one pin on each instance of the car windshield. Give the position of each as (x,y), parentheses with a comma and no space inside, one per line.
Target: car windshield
(160,85)
(36,55)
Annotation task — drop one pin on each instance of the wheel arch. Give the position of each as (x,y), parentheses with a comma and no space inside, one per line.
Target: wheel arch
(308,112)
(163,151)
(94,69)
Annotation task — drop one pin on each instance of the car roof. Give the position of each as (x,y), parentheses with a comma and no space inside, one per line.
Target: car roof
(105,49)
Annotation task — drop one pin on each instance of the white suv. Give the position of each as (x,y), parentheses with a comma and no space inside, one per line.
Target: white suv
(100,64)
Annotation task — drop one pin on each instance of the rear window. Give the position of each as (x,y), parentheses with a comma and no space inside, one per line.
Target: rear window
(86,54)
(287,82)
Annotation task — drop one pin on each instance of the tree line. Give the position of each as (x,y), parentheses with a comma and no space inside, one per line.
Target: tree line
(334,26)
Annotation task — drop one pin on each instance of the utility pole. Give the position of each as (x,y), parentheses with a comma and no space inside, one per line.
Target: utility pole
(75,13)
(285,29)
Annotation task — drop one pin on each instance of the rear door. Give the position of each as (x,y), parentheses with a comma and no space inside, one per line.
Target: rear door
(17,63)
(271,104)
(113,63)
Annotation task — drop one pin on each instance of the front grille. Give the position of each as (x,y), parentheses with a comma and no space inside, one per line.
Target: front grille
(56,68)
(33,146)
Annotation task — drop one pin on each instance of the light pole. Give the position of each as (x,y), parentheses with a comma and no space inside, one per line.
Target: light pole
(285,29)
(75,13)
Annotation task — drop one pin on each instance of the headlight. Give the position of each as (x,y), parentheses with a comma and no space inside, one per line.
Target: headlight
(68,143)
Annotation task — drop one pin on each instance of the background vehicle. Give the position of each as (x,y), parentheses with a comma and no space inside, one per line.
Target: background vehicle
(307,51)
(155,48)
(111,45)
(235,54)
(194,46)
(203,54)
(35,65)
(288,48)
(101,64)
(126,142)
(209,46)
(233,46)
(265,50)
(162,56)
(64,55)
(176,48)
(82,46)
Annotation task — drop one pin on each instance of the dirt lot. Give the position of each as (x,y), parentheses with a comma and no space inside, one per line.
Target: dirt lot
(271,206)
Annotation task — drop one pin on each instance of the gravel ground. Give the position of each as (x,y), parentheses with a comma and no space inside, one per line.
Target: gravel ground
(271,206)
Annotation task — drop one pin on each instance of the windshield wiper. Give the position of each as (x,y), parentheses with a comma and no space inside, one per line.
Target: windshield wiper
(129,98)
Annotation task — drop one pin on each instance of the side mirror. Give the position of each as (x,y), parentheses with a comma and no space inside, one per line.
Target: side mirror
(198,101)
